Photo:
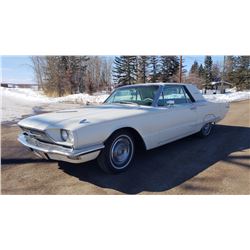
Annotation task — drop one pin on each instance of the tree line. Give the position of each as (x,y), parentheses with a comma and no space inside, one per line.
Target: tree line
(141,69)
(63,75)
(234,70)
(237,71)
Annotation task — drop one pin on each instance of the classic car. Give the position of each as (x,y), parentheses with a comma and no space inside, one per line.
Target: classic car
(135,116)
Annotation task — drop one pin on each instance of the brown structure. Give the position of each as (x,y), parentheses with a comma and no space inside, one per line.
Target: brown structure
(17,85)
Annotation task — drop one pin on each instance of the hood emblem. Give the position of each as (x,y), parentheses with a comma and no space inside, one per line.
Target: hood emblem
(83,121)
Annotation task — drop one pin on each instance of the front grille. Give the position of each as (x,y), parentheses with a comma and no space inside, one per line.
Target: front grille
(37,134)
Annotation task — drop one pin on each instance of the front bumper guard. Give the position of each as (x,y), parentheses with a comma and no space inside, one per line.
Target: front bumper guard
(57,152)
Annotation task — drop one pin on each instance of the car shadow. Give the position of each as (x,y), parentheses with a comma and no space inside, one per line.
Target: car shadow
(168,166)
(13,161)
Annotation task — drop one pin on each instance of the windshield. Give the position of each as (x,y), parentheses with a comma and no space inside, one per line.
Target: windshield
(141,95)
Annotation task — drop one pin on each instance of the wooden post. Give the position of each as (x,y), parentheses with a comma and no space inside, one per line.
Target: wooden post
(224,64)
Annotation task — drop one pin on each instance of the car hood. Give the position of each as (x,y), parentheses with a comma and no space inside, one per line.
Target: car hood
(75,118)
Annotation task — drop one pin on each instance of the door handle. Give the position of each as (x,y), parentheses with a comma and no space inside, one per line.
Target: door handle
(193,108)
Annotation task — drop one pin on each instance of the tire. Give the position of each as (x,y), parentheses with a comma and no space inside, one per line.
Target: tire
(206,130)
(118,153)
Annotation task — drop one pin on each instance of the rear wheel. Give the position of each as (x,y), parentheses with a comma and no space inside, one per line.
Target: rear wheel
(118,152)
(206,130)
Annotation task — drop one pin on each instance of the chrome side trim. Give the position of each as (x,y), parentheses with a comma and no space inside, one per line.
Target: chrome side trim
(56,149)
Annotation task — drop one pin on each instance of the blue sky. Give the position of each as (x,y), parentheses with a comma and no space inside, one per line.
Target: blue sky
(18,69)
(189,60)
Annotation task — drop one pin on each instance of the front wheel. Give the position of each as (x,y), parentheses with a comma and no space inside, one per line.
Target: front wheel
(118,152)
(206,130)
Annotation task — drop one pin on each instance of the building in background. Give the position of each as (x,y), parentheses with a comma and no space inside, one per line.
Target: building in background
(18,85)
(218,87)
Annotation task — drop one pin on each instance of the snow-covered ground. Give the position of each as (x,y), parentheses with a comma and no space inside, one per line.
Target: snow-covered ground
(17,102)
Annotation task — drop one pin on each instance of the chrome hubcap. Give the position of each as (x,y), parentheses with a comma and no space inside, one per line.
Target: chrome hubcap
(207,128)
(121,152)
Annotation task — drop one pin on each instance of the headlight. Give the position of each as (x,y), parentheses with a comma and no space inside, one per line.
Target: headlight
(64,135)
(67,135)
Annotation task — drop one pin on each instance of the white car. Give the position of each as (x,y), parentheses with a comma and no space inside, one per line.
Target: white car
(141,115)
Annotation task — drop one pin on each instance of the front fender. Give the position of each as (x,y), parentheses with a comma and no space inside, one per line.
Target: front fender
(99,133)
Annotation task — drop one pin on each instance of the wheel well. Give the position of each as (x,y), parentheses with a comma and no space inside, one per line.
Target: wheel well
(140,144)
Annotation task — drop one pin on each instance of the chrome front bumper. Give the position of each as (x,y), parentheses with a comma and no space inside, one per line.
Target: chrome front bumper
(60,153)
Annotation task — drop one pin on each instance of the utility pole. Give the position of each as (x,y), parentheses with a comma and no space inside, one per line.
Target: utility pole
(224,64)
(180,73)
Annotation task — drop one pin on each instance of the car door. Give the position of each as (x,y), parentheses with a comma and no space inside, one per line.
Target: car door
(177,114)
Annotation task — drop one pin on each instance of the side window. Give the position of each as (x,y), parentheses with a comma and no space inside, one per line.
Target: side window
(174,95)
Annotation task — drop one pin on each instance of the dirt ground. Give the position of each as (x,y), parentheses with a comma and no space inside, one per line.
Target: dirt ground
(219,164)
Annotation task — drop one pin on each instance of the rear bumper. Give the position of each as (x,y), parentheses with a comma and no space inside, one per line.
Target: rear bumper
(60,153)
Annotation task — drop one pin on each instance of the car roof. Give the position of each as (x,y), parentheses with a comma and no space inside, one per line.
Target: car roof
(154,84)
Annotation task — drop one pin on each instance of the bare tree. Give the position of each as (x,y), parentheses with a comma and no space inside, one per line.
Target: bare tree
(195,79)
(54,77)
(39,65)
(106,73)
(98,75)
(62,75)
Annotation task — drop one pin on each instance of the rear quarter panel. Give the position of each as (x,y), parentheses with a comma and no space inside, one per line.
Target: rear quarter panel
(207,111)
(211,112)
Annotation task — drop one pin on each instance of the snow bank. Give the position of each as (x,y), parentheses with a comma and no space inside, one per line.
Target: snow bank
(82,98)
(17,102)
(31,95)
(230,96)
(21,94)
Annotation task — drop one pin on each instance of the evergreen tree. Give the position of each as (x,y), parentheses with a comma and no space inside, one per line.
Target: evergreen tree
(208,62)
(216,73)
(154,68)
(194,68)
(242,72)
(169,67)
(195,76)
(125,70)
(201,72)
(118,69)
(142,69)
